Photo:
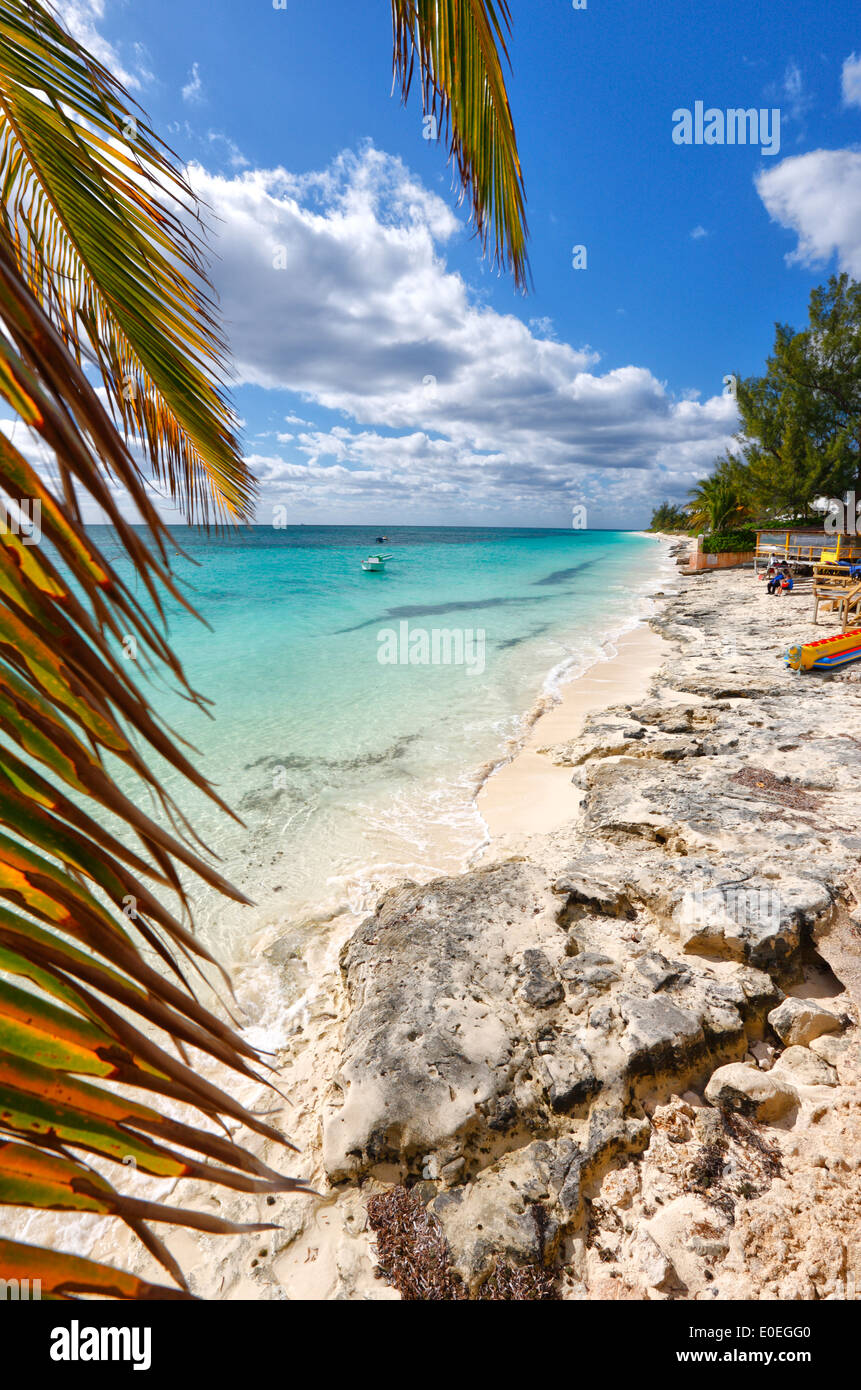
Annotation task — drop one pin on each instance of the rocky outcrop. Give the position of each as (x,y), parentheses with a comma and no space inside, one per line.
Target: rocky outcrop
(801,1067)
(519,1033)
(798,1021)
(758,1095)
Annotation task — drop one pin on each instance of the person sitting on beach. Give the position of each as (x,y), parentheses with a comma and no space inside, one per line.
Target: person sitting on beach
(787,583)
(774,577)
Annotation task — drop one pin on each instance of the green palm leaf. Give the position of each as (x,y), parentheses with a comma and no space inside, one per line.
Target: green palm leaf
(459,46)
(83,1010)
(99,217)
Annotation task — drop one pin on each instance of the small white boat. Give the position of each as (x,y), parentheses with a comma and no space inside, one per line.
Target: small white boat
(374,563)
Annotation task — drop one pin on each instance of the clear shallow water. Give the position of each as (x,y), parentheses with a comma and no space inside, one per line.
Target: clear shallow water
(349,773)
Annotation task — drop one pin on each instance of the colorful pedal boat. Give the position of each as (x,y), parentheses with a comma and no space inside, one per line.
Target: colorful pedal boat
(827,654)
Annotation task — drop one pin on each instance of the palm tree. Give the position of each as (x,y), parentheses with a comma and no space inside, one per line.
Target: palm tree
(717,503)
(102,278)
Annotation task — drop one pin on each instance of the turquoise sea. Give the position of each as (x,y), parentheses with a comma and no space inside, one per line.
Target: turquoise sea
(350,772)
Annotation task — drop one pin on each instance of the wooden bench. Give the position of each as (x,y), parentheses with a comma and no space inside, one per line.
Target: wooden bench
(837,595)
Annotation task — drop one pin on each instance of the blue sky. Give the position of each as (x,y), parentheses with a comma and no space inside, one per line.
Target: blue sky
(386,375)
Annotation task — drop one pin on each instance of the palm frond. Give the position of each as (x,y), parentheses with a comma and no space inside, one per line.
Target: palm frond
(459,46)
(62,1277)
(101,222)
(82,1007)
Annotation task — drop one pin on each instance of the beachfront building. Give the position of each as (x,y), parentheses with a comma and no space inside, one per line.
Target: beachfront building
(805,549)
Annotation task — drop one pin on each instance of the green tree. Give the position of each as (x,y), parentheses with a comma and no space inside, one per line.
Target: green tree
(101,273)
(668,516)
(801,421)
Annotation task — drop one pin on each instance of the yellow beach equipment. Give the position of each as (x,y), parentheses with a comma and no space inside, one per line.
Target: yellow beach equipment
(827,654)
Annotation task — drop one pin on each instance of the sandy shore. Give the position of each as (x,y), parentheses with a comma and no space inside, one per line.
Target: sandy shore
(531,795)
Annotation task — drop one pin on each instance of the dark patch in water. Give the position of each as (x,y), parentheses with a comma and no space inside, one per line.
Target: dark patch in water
(425,610)
(294,762)
(516,641)
(559,576)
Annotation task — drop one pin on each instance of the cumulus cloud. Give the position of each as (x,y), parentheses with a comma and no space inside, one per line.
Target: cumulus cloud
(334,286)
(818,196)
(851,80)
(82,19)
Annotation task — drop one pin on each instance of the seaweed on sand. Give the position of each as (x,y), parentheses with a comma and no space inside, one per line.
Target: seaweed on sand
(414,1258)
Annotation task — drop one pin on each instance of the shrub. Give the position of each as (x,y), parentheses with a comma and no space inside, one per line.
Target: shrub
(724,541)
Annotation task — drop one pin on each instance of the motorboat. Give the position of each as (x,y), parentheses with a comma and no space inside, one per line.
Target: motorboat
(375,563)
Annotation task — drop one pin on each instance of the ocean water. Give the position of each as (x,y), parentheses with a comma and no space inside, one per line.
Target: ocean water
(348,771)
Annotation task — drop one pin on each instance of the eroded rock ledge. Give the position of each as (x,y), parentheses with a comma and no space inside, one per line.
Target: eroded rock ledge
(605,1056)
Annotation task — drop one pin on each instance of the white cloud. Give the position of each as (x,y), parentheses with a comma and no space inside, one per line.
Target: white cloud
(543,327)
(818,196)
(851,80)
(192,92)
(233,153)
(698,233)
(81,18)
(793,94)
(333,286)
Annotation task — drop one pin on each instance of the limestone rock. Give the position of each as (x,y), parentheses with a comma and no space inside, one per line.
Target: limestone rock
(657,970)
(430,1044)
(799,1021)
(503,1216)
(651,1261)
(541,988)
(568,1074)
(590,968)
(801,1067)
(832,1049)
(592,892)
(741,686)
(755,1094)
(659,1035)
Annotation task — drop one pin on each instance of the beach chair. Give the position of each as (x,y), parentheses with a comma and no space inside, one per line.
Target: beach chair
(839,595)
(828,592)
(851,607)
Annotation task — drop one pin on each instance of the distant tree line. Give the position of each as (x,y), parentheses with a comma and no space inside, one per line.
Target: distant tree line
(800,436)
